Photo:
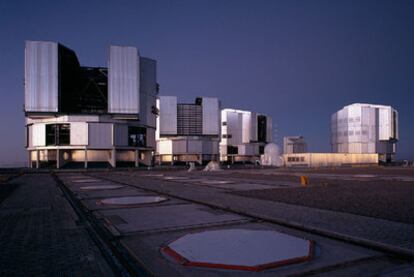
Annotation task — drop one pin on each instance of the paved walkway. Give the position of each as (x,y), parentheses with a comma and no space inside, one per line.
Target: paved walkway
(394,236)
(39,234)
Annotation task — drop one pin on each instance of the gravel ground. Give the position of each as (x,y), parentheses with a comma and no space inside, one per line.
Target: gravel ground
(386,200)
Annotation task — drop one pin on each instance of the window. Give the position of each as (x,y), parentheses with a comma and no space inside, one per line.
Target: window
(224,123)
(57,134)
(137,136)
(232,150)
(226,136)
(261,149)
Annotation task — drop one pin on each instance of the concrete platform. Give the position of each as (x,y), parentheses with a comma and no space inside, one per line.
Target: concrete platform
(156,218)
(96,204)
(95,194)
(327,253)
(239,249)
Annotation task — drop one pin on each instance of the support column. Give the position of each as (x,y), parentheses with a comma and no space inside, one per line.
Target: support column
(136,158)
(86,158)
(30,159)
(37,159)
(58,162)
(113,158)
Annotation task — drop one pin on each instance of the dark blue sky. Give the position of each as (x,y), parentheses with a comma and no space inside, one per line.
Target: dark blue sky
(298,61)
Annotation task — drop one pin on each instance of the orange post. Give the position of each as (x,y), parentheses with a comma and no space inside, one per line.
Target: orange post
(304,181)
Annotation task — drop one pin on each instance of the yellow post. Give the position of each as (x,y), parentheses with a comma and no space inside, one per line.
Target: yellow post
(304,181)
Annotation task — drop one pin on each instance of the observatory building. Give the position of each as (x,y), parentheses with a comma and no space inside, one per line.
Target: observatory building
(187,132)
(87,115)
(365,128)
(244,135)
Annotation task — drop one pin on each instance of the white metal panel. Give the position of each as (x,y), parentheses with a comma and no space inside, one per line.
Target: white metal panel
(211,116)
(41,76)
(123,80)
(385,118)
(78,133)
(246,124)
(148,90)
(150,137)
(167,120)
(164,147)
(269,129)
(39,134)
(100,135)
(121,135)
(195,147)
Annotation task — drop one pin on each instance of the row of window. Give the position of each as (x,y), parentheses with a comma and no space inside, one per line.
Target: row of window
(59,134)
(352,133)
(349,119)
(296,159)
(226,136)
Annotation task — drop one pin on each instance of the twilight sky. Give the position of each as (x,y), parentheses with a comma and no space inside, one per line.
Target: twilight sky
(297,61)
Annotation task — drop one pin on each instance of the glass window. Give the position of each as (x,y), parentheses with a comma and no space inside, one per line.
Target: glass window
(137,136)
(57,134)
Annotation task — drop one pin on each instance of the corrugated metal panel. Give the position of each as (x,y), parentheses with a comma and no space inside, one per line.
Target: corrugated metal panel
(195,147)
(385,125)
(167,120)
(41,76)
(100,135)
(164,147)
(39,134)
(150,137)
(123,81)
(148,90)
(211,116)
(246,123)
(253,127)
(78,133)
(269,129)
(121,135)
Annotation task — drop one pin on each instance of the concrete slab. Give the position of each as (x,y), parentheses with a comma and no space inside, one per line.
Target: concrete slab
(167,217)
(239,249)
(96,204)
(94,194)
(243,186)
(327,253)
(101,187)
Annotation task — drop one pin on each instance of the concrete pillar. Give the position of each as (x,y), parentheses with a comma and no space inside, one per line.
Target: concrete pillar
(136,158)
(112,161)
(30,159)
(58,161)
(86,158)
(37,159)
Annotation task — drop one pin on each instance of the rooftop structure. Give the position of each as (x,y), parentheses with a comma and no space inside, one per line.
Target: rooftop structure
(88,114)
(294,144)
(187,132)
(244,135)
(365,128)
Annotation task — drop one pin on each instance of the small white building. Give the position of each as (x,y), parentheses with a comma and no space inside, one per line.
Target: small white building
(187,132)
(244,135)
(88,115)
(365,128)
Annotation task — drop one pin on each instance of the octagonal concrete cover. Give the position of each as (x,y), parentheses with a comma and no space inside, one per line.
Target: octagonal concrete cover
(239,249)
(132,200)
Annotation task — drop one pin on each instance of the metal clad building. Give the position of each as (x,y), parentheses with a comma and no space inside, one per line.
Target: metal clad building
(123,82)
(74,116)
(187,132)
(41,76)
(243,135)
(365,128)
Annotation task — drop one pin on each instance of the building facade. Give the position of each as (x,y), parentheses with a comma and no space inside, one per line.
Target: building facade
(244,135)
(187,132)
(294,144)
(330,159)
(88,115)
(365,128)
